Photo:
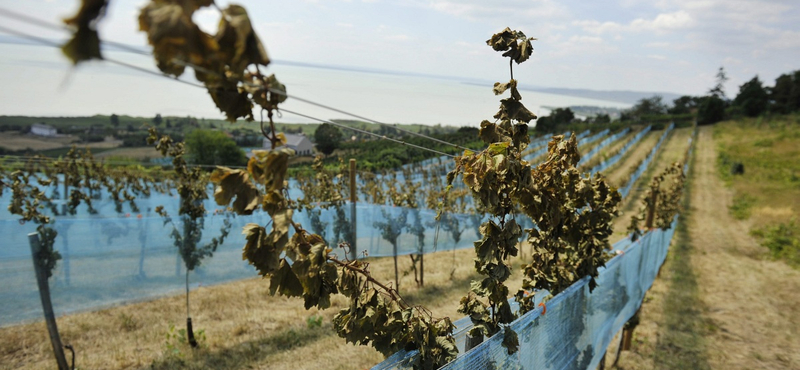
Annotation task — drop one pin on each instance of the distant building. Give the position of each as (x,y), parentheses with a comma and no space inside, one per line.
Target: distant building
(42,129)
(299,142)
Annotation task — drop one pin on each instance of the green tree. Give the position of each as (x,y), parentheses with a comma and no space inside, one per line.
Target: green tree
(683,105)
(559,116)
(114,120)
(710,110)
(214,148)
(562,115)
(602,118)
(652,106)
(157,120)
(752,98)
(785,96)
(327,138)
(719,89)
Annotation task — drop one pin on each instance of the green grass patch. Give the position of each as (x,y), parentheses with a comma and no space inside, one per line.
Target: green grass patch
(764,143)
(782,240)
(742,206)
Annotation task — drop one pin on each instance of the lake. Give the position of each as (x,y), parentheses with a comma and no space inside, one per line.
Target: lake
(39,81)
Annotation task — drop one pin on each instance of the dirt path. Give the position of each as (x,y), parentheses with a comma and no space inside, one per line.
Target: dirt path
(753,302)
(719,302)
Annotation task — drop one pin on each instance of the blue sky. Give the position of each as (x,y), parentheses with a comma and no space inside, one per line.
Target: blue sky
(671,46)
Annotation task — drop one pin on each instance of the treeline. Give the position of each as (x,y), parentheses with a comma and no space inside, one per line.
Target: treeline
(753,99)
(375,154)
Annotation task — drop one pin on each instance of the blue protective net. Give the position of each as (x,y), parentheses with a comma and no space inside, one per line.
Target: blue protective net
(577,326)
(127,256)
(610,161)
(645,164)
(586,157)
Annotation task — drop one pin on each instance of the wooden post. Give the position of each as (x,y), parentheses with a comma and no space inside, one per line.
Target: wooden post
(651,212)
(422,268)
(472,342)
(353,251)
(64,239)
(627,331)
(47,305)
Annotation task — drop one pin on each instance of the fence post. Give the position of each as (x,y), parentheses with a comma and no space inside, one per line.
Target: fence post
(353,251)
(651,211)
(64,236)
(47,305)
(627,332)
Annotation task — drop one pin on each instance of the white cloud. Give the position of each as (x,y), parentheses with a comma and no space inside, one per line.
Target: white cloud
(664,22)
(659,44)
(597,27)
(396,37)
(513,11)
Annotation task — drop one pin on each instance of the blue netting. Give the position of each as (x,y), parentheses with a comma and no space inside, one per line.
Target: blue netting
(646,163)
(113,257)
(586,157)
(608,162)
(578,325)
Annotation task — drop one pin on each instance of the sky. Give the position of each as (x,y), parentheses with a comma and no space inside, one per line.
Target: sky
(660,46)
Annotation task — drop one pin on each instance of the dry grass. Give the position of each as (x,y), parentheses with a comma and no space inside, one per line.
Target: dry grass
(245,327)
(16,141)
(131,153)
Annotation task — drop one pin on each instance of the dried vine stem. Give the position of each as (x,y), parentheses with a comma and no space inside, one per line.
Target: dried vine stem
(664,201)
(572,213)
(303,266)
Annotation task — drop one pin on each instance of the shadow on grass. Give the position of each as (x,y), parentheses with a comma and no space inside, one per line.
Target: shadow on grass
(681,341)
(254,353)
(244,355)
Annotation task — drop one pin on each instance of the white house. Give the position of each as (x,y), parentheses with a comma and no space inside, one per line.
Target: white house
(299,142)
(42,129)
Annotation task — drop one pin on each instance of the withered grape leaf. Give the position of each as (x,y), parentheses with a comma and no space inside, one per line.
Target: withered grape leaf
(85,43)
(285,282)
(239,45)
(269,166)
(235,183)
(510,340)
(232,101)
(174,37)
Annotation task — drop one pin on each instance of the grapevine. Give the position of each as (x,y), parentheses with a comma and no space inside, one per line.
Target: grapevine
(572,214)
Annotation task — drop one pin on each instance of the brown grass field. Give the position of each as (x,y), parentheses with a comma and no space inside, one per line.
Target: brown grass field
(17,141)
(719,303)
